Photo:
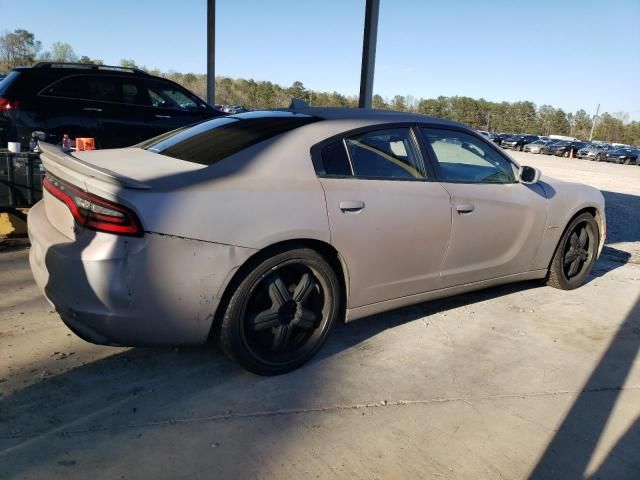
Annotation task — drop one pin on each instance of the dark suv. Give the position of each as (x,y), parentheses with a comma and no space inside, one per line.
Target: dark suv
(117,106)
(517,142)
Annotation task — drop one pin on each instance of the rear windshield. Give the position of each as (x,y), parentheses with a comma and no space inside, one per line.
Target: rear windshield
(214,140)
(7,81)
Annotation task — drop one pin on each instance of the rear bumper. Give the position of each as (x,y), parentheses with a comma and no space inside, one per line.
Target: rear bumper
(114,290)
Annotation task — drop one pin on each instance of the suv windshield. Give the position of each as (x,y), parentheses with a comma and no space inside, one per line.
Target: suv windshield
(214,140)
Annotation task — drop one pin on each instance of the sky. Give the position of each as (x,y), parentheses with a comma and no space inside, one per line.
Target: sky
(568,53)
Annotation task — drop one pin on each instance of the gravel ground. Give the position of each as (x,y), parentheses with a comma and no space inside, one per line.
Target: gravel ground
(511,382)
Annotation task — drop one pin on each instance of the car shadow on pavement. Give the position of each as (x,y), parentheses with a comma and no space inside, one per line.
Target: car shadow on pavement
(622,212)
(571,449)
(13,244)
(48,422)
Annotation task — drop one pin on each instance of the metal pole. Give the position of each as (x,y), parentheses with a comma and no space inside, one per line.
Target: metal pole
(10,181)
(369,40)
(593,125)
(211,51)
(29,165)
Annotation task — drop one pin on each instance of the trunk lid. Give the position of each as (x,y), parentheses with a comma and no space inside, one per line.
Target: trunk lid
(117,175)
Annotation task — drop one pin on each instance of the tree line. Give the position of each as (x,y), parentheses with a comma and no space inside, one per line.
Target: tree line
(20,48)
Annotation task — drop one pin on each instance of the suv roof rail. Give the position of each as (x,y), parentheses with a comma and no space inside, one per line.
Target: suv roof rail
(89,66)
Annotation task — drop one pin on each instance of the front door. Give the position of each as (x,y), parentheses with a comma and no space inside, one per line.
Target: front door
(497,222)
(172,107)
(388,221)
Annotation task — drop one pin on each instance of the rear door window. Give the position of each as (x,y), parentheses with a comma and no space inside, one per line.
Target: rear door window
(389,154)
(98,88)
(335,162)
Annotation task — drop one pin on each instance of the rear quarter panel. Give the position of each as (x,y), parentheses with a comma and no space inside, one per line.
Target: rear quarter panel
(263,195)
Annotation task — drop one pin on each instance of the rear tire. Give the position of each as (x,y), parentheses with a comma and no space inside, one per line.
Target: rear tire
(575,254)
(281,312)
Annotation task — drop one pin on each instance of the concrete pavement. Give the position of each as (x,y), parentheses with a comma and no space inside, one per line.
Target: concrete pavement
(512,382)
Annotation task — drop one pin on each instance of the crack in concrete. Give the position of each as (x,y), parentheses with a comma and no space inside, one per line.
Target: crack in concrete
(330,408)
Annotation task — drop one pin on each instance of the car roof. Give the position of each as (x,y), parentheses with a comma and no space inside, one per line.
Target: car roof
(59,68)
(356,114)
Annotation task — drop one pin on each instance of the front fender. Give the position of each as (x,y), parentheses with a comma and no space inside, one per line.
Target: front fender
(566,200)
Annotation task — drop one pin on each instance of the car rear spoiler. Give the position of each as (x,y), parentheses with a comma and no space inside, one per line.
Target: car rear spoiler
(52,155)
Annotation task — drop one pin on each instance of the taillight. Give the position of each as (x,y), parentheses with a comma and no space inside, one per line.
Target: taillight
(94,212)
(6,104)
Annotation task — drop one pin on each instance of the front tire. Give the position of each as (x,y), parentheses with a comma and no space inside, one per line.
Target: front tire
(575,255)
(281,312)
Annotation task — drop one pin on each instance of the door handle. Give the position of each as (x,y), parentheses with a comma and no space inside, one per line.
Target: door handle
(351,205)
(92,109)
(465,208)
(162,116)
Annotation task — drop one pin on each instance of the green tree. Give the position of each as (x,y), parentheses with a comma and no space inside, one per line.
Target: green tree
(581,124)
(399,103)
(62,52)
(378,102)
(18,48)
(85,59)
(128,63)
(297,90)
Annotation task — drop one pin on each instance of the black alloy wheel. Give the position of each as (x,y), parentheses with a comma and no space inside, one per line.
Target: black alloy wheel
(575,254)
(577,250)
(281,313)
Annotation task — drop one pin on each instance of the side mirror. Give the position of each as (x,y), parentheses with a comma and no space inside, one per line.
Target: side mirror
(529,175)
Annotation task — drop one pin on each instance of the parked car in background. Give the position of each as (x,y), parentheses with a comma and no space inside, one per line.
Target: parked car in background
(536,146)
(593,152)
(517,142)
(116,106)
(563,148)
(490,135)
(548,148)
(624,156)
(233,109)
(288,222)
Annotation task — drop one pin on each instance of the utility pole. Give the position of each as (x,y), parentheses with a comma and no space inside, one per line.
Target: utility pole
(369,41)
(593,124)
(211,51)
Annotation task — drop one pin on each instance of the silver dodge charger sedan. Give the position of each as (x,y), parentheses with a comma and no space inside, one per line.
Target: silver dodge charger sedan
(262,230)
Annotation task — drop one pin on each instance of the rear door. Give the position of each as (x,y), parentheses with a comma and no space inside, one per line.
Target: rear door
(497,222)
(111,108)
(63,108)
(123,112)
(173,107)
(388,220)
